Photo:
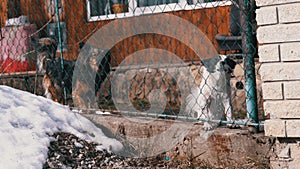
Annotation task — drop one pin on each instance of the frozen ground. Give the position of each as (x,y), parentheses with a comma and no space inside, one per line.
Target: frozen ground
(27,123)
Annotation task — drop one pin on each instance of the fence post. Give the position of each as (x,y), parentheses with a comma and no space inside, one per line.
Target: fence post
(249,51)
(60,46)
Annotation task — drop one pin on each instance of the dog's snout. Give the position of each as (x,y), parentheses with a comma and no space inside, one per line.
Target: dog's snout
(228,65)
(228,70)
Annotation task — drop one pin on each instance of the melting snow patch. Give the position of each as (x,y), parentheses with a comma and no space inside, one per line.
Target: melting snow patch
(27,123)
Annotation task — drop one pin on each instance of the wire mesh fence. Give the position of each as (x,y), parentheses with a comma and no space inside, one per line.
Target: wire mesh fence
(192,59)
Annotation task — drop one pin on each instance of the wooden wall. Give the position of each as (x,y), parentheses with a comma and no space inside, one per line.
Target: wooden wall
(32,8)
(3,12)
(8,9)
(211,21)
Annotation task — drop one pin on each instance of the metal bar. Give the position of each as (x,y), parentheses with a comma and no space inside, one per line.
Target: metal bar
(249,64)
(60,45)
(166,116)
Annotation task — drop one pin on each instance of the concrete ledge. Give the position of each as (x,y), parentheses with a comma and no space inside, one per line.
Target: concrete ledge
(221,148)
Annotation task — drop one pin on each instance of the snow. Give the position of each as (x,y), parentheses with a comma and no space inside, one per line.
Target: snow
(102,112)
(27,122)
(79,145)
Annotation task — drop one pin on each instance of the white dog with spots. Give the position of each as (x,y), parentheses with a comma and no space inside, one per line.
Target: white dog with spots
(212,99)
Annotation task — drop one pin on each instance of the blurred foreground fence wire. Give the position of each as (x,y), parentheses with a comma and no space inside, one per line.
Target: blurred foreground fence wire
(55,48)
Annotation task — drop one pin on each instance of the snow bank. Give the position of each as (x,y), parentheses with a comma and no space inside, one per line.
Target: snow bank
(27,123)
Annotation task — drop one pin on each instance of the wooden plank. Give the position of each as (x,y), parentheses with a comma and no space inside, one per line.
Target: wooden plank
(19,74)
(3,12)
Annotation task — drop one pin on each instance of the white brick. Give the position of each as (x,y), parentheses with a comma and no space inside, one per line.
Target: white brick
(283,109)
(289,13)
(292,90)
(273,2)
(280,71)
(293,128)
(268,53)
(275,128)
(266,15)
(272,91)
(278,33)
(290,51)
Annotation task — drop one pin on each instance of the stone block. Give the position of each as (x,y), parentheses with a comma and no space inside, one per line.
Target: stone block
(289,13)
(286,109)
(292,90)
(293,128)
(268,53)
(272,91)
(280,71)
(278,33)
(290,51)
(260,3)
(275,128)
(266,16)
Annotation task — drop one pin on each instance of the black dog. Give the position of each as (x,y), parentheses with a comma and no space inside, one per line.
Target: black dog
(57,79)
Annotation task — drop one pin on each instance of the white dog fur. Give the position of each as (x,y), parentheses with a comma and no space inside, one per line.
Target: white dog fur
(212,98)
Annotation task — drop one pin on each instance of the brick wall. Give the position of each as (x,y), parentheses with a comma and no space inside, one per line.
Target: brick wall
(279,51)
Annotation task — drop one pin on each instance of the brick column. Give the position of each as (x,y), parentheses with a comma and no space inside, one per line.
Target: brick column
(278,36)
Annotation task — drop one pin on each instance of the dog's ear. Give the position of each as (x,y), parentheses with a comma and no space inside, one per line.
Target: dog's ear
(231,63)
(210,64)
(47,45)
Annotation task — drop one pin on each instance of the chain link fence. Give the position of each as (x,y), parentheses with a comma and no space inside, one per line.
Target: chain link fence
(160,58)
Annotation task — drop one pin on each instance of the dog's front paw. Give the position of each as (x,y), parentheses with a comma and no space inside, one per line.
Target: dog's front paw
(209,126)
(232,126)
(231,123)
